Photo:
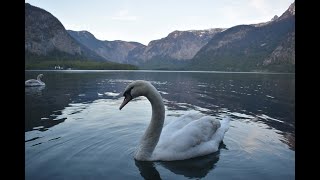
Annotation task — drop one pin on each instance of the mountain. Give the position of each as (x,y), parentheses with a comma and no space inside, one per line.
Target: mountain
(177,47)
(48,45)
(46,38)
(266,46)
(284,53)
(116,51)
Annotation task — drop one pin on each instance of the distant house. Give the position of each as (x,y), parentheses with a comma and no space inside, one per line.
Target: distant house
(58,67)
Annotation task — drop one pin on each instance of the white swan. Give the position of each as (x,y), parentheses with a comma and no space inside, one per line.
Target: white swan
(35,82)
(189,136)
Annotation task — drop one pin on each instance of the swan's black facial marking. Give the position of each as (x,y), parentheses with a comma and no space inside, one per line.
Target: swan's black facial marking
(127,97)
(127,92)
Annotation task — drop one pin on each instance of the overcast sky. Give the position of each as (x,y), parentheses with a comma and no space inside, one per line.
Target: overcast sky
(146,20)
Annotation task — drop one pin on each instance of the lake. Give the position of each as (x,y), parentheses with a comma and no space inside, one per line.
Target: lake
(75,130)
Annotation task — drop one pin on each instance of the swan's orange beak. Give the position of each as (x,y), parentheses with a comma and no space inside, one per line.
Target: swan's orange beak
(127,98)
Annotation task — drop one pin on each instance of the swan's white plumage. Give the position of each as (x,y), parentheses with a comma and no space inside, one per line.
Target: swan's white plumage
(35,82)
(190,135)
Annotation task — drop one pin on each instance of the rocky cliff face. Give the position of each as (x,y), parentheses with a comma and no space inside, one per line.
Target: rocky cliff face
(116,51)
(291,11)
(178,45)
(45,35)
(284,53)
(251,47)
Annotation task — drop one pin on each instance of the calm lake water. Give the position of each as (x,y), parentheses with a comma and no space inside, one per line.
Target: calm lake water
(75,130)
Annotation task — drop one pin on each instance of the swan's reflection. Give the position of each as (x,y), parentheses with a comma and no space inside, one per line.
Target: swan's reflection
(34,90)
(197,167)
(148,170)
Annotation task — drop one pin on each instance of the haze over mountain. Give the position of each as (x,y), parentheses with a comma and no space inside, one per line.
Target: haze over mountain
(116,51)
(178,45)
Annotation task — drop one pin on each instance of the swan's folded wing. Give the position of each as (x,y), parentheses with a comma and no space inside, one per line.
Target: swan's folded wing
(191,135)
(181,122)
(31,82)
(198,138)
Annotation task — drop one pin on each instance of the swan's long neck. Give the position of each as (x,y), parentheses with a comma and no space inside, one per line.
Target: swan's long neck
(153,132)
(38,78)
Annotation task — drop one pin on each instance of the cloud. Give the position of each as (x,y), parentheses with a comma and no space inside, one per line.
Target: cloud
(261,6)
(123,15)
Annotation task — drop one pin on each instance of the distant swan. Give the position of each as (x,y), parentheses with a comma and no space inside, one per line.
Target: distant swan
(35,82)
(189,136)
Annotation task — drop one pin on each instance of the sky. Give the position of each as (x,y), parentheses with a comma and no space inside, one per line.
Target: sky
(146,20)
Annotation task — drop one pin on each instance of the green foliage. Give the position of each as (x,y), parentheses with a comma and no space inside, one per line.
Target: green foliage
(281,67)
(78,64)
(58,58)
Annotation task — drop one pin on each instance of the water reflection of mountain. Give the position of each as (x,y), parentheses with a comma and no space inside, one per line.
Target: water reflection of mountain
(257,95)
(41,109)
(197,167)
(61,89)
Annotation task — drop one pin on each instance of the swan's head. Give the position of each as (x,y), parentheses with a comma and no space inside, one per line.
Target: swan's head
(135,89)
(40,76)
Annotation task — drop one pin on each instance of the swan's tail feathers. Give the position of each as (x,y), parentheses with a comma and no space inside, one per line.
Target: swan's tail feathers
(225,123)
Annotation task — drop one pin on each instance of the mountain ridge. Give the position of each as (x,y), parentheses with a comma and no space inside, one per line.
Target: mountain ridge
(45,35)
(263,46)
(251,48)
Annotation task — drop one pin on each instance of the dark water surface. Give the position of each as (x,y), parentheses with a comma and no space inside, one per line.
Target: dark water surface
(74,129)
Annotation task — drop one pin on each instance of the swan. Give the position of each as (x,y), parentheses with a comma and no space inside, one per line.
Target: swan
(191,135)
(35,82)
